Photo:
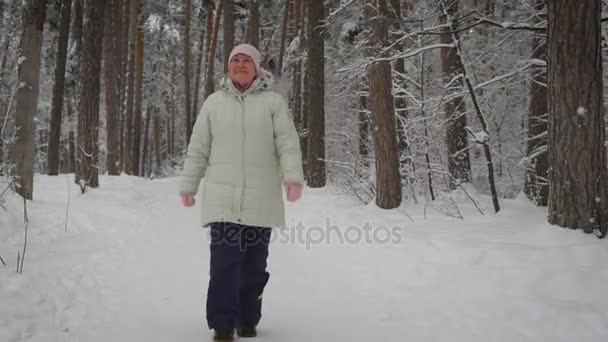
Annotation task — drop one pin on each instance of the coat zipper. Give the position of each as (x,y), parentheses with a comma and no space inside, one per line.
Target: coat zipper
(242,101)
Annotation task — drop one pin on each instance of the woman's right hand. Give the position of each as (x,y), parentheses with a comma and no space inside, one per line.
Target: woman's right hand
(187,199)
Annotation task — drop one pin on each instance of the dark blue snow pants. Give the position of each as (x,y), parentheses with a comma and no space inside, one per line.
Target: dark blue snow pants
(238,274)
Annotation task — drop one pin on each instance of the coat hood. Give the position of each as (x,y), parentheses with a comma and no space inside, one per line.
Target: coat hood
(263,81)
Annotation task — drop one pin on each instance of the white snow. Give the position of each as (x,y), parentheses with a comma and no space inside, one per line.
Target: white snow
(481,137)
(153,23)
(133,266)
(581,111)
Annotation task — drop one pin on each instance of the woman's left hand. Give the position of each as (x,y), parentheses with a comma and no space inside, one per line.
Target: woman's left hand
(293,191)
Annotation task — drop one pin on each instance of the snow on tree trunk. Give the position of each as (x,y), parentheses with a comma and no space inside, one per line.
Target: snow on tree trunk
(316,66)
(27,95)
(536,186)
(88,116)
(388,179)
(459,165)
(577,152)
(52,164)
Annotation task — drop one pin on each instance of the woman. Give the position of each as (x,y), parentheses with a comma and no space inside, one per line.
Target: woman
(245,145)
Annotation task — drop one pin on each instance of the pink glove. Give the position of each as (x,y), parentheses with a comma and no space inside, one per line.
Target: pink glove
(187,199)
(293,191)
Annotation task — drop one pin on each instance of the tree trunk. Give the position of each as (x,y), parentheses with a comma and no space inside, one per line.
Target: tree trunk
(27,95)
(536,185)
(199,60)
(128,139)
(228,31)
(186,47)
(253,23)
(52,163)
(156,139)
(297,68)
(173,103)
(210,78)
(138,85)
(284,34)
(316,68)
(459,166)
(142,171)
(388,180)
(74,88)
(306,85)
(110,51)
(88,116)
(123,79)
(71,151)
(405,158)
(363,131)
(577,152)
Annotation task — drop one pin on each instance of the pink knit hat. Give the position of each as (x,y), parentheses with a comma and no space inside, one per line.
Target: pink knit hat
(247,50)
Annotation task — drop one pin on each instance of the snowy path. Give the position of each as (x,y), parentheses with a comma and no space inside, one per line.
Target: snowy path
(133,267)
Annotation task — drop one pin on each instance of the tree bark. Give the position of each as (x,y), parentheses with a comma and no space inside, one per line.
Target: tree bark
(228,31)
(316,68)
(297,68)
(88,116)
(142,171)
(27,95)
(388,180)
(110,51)
(52,164)
(536,184)
(304,117)
(253,23)
(156,139)
(577,152)
(138,93)
(284,34)
(405,158)
(459,165)
(210,78)
(186,47)
(202,48)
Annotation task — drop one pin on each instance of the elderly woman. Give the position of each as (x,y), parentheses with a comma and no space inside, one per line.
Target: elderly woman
(246,147)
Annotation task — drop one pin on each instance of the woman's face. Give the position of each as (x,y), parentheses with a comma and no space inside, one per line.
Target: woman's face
(241,69)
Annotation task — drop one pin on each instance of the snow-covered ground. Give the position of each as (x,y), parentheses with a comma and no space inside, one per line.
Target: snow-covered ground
(133,266)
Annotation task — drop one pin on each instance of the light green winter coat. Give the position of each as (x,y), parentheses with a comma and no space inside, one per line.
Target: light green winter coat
(245,147)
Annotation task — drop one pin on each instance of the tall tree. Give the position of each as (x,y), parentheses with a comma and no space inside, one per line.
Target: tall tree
(286,16)
(128,134)
(536,185)
(27,95)
(253,23)
(138,85)
(186,46)
(123,14)
(316,68)
(401,105)
(88,117)
(459,165)
(577,151)
(297,66)
(228,30)
(74,82)
(210,78)
(111,74)
(388,180)
(206,5)
(52,164)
